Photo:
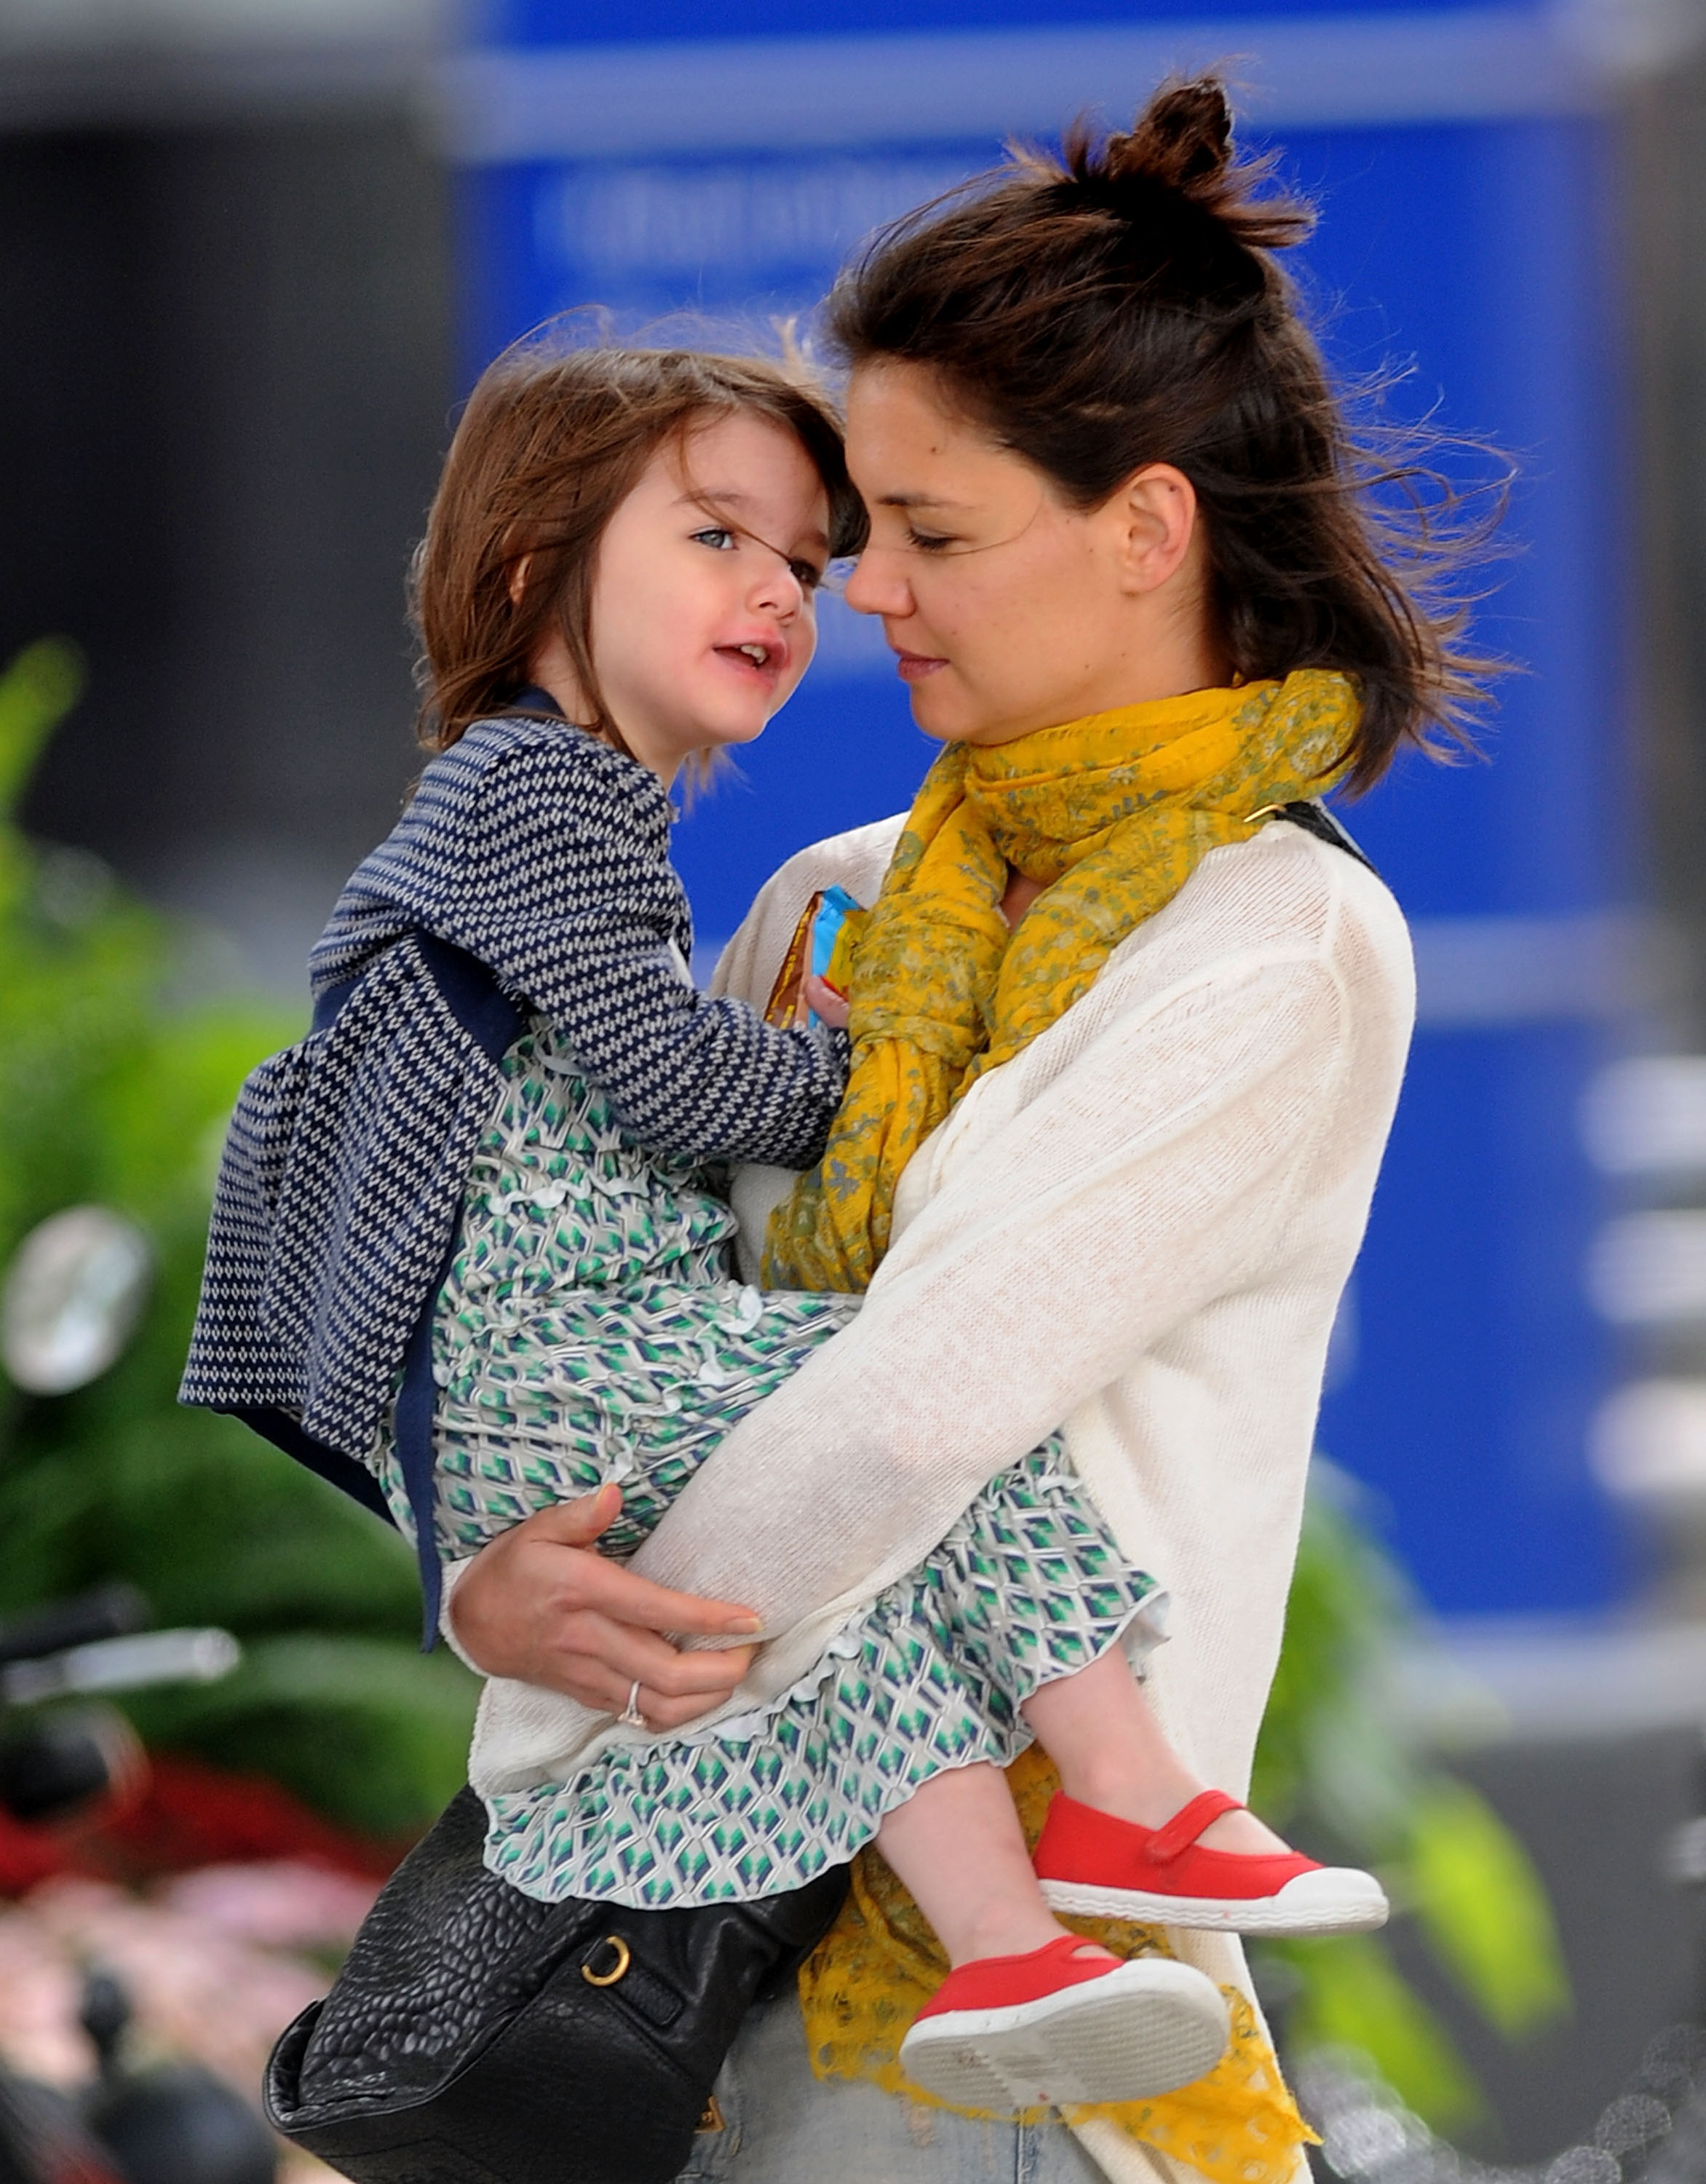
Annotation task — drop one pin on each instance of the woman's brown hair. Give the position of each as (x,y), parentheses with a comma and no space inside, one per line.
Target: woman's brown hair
(551,444)
(1122,305)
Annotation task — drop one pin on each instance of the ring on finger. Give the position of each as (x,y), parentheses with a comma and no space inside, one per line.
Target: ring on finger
(630,1714)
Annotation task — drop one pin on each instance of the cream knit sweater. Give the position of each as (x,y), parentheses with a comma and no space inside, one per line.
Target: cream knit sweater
(1140,1226)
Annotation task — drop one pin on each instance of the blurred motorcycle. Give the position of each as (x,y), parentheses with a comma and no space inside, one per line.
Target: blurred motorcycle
(173,2123)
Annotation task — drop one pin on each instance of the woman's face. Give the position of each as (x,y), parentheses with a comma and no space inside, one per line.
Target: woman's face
(1010,610)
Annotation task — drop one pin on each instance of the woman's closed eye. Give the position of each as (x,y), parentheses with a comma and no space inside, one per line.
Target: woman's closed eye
(929,542)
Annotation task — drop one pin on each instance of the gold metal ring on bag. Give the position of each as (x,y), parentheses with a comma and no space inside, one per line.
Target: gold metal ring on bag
(624,1958)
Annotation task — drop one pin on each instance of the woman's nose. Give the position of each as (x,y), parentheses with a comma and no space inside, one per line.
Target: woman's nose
(876,586)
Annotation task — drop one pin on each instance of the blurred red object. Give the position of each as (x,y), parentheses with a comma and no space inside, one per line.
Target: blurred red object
(186,1814)
(27,1855)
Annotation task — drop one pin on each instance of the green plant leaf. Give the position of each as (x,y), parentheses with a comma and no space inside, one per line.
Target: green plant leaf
(364,1729)
(1484,1909)
(1341,1768)
(1320,1756)
(37,689)
(110,1093)
(1353,1997)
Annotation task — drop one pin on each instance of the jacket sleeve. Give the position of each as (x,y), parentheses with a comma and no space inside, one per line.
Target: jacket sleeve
(554,873)
(1141,1185)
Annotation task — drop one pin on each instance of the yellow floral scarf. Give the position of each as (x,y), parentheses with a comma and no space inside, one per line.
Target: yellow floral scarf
(1112,815)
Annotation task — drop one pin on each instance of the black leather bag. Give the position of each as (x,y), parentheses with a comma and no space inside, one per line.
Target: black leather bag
(477,2036)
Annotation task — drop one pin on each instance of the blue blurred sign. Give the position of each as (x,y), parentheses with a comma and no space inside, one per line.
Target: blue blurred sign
(706,167)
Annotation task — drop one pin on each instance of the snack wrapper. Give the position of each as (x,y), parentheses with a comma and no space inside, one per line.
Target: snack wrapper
(822,947)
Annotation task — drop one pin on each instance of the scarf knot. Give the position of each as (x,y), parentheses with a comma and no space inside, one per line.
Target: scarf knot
(1112,815)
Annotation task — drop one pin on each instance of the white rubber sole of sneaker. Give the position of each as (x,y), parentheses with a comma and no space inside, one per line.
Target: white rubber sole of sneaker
(1335,1900)
(1144,2029)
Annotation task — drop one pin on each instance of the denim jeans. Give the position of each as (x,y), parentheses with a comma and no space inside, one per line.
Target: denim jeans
(782,2125)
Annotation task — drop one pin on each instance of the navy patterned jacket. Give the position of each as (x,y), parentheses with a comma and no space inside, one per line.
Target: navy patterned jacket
(530,874)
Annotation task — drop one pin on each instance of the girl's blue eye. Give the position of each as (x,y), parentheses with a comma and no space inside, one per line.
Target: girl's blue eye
(807,575)
(717,535)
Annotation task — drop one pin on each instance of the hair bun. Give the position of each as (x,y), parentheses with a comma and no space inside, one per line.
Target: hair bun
(1183,139)
(1180,144)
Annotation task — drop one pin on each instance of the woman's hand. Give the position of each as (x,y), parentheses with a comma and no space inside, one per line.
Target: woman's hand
(541,1606)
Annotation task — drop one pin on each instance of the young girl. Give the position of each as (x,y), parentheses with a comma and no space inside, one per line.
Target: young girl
(617,580)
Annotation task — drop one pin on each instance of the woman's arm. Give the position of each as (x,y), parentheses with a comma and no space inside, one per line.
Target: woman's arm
(1142,1185)
(1133,1191)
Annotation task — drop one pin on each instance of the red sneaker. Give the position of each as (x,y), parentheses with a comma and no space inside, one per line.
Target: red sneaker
(1104,1868)
(1052,2027)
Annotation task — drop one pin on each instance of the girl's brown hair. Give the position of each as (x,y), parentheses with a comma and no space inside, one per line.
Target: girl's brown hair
(1122,305)
(551,444)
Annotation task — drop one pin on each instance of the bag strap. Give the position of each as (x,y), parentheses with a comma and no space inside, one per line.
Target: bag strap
(1314,817)
(494,1021)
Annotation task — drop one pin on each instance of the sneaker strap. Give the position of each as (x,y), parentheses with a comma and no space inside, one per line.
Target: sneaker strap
(997,1983)
(1188,1823)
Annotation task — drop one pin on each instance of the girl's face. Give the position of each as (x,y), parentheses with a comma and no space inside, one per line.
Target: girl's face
(703,616)
(1009,610)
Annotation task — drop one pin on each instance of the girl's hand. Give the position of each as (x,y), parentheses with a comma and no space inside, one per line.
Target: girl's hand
(826,1002)
(541,1606)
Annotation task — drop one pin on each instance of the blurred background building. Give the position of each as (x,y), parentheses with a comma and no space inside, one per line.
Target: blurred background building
(252,251)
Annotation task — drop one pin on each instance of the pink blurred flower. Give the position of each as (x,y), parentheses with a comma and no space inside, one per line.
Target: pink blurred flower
(286,1905)
(207,1963)
(40,1989)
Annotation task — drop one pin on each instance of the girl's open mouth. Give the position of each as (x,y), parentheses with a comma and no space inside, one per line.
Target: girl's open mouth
(766,658)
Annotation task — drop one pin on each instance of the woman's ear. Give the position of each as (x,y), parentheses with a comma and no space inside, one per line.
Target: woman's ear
(518,579)
(1155,521)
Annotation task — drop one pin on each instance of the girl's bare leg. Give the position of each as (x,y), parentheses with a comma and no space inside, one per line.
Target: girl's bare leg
(957,1843)
(1101,1734)
(958,1847)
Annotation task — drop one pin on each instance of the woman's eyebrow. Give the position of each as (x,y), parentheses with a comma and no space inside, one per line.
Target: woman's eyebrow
(918,500)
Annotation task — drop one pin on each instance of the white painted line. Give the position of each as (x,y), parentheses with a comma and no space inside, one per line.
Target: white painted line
(583,102)
(1473,970)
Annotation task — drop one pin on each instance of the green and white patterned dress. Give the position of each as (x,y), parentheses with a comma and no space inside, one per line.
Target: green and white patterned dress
(593,1329)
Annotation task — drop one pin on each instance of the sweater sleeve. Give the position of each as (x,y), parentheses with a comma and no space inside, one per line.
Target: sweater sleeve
(551,865)
(1137,1189)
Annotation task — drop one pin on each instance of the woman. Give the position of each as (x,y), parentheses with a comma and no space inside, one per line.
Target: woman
(1115,524)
